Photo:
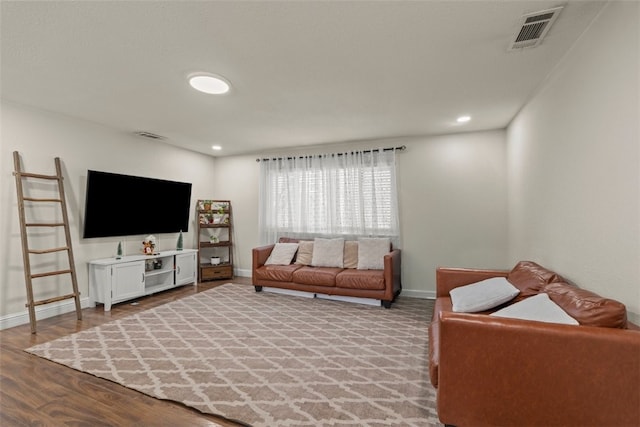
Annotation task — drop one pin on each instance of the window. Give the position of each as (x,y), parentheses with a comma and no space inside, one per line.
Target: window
(348,194)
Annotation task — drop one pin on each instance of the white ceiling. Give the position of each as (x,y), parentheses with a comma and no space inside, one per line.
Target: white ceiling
(303,72)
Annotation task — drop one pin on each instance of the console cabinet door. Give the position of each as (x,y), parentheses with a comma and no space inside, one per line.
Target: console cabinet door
(127,281)
(185,268)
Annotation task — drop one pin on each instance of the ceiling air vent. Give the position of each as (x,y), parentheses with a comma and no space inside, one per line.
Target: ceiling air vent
(534,26)
(149,135)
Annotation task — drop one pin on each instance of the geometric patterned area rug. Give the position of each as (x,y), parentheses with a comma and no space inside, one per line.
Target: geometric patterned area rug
(268,359)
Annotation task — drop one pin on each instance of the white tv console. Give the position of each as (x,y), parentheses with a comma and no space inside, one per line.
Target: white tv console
(114,280)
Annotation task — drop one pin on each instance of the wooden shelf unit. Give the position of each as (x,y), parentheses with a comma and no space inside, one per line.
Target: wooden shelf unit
(215,239)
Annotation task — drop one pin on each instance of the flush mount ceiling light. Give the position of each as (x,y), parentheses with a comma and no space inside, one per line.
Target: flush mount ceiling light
(209,83)
(463,119)
(216,147)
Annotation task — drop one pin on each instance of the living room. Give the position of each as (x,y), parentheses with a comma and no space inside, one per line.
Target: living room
(559,184)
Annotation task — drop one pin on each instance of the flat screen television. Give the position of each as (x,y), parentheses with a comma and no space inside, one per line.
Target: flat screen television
(126,205)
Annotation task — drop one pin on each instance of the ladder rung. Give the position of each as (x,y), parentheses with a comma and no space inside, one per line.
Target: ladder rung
(54,299)
(36,175)
(33,199)
(50,273)
(45,224)
(48,251)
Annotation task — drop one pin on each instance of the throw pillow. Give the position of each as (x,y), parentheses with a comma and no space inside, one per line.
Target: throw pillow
(282,254)
(586,307)
(350,254)
(328,252)
(371,252)
(538,307)
(530,278)
(483,295)
(305,252)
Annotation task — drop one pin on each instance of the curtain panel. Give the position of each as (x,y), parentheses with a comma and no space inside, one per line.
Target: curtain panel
(346,195)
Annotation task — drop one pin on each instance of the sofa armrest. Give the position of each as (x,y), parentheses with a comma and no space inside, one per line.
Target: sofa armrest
(260,256)
(450,278)
(392,272)
(497,371)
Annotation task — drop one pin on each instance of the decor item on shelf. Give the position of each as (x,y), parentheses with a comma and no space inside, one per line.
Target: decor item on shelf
(149,245)
(214,239)
(119,251)
(157,264)
(179,245)
(215,260)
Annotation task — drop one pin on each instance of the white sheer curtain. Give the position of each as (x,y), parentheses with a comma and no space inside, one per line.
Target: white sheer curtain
(347,194)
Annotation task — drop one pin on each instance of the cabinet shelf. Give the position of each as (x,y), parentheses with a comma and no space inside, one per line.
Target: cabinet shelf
(209,265)
(215,225)
(151,273)
(214,245)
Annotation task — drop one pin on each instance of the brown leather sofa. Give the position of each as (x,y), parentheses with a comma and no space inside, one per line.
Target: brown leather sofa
(494,371)
(383,285)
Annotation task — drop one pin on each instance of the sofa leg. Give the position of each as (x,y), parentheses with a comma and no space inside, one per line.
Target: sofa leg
(258,288)
(386,304)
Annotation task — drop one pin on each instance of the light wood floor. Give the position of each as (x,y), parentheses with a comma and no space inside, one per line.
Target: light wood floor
(38,392)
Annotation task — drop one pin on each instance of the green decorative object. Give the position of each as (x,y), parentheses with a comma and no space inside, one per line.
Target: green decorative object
(179,244)
(119,251)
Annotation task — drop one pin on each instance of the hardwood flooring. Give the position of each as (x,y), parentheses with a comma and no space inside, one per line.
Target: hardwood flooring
(38,392)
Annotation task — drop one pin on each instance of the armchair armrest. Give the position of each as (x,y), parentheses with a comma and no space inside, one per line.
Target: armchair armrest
(450,278)
(392,266)
(496,371)
(260,256)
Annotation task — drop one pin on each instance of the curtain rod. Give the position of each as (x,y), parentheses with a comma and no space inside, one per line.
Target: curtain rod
(401,148)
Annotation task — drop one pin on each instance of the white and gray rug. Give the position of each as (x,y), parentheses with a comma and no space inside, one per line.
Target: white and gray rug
(267,359)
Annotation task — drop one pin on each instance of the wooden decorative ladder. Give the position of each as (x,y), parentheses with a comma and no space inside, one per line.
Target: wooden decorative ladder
(26,252)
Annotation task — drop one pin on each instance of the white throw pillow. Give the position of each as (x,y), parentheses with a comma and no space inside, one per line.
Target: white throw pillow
(282,254)
(538,307)
(371,252)
(328,252)
(483,295)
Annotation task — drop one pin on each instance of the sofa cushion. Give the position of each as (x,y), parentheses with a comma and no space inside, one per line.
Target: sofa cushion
(371,252)
(530,277)
(321,276)
(282,254)
(328,252)
(360,279)
(539,308)
(587,307)
(482,295)
(277,273)
(350,254)
(305,252)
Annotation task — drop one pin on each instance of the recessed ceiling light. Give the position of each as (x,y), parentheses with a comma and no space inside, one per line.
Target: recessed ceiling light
(209,83)
(463,119)
(216,147)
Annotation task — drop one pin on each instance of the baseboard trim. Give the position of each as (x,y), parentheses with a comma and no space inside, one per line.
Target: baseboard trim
(242,272)
(414,293)
(42,312)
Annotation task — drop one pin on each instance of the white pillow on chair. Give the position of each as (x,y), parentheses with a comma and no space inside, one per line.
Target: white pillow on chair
(483,295)
(282,254)
(328,252)
(538,307)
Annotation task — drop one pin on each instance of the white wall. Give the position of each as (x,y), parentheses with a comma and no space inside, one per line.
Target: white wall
(574,168)
(453,203)
(41,136)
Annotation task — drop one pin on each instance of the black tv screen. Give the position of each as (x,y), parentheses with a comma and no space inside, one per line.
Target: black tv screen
(125,205)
